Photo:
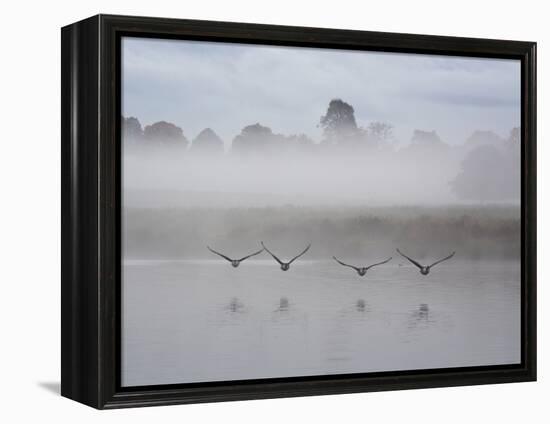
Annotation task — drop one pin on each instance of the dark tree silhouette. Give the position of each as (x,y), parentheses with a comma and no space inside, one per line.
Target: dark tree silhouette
(339,122)
(207,142)
(163,132)
(256,138)
(131,130)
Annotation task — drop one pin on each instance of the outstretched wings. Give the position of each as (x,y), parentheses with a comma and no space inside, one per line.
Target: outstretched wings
(342,263)
(268,251)
(297,256)
(441,260)
(379,263)
(220,254)
(252,254)
(411,260)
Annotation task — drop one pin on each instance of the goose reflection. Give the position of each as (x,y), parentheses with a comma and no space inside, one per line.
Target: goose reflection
(235,306)
(423,311)
(420,316)
(283,305)
(360,305)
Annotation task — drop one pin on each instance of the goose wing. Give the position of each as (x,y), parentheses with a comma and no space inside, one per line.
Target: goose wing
(252,254)
(268,251)
(297,256)
(220,254)
(444,259)
(410,260)
(379,263)
(342,263)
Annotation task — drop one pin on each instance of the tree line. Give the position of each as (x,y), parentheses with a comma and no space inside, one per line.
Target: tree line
(489,170)
(339,128)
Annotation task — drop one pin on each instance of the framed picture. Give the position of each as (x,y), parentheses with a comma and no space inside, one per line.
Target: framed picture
(254,211)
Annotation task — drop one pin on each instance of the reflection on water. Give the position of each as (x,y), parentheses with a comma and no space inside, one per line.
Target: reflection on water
(235,305)
(422,314)
(360,305)
(420,317)
(283,305)
(203,321)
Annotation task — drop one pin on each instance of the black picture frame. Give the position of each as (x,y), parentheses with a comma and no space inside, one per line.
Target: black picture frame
(91,192)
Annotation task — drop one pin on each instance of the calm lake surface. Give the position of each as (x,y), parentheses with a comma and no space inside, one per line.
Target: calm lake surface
(193,321)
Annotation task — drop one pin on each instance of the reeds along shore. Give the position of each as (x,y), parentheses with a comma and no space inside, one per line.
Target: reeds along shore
(478,232)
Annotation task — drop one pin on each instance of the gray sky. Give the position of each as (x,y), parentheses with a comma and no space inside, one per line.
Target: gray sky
(228,86)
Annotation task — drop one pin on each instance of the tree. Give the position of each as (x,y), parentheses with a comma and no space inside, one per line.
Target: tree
(255,138)
(339,122)
(165,133)
(484,137)
(380,132)
(298,143)
(515,136)
(207,142)
(488,174)
(131,130)
(425,141)
(514,142)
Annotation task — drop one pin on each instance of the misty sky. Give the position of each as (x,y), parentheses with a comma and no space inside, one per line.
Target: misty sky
(228,86)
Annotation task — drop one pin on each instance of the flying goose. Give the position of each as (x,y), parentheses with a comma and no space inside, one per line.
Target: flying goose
(285,265)
(360,270)
(425,270)
(235,262)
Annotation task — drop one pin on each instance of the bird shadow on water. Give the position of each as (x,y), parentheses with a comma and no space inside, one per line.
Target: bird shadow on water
(53,387)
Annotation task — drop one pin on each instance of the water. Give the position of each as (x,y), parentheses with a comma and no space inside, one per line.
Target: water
(193,321)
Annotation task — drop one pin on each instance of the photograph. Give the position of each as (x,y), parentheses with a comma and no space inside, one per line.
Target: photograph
(303,211)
